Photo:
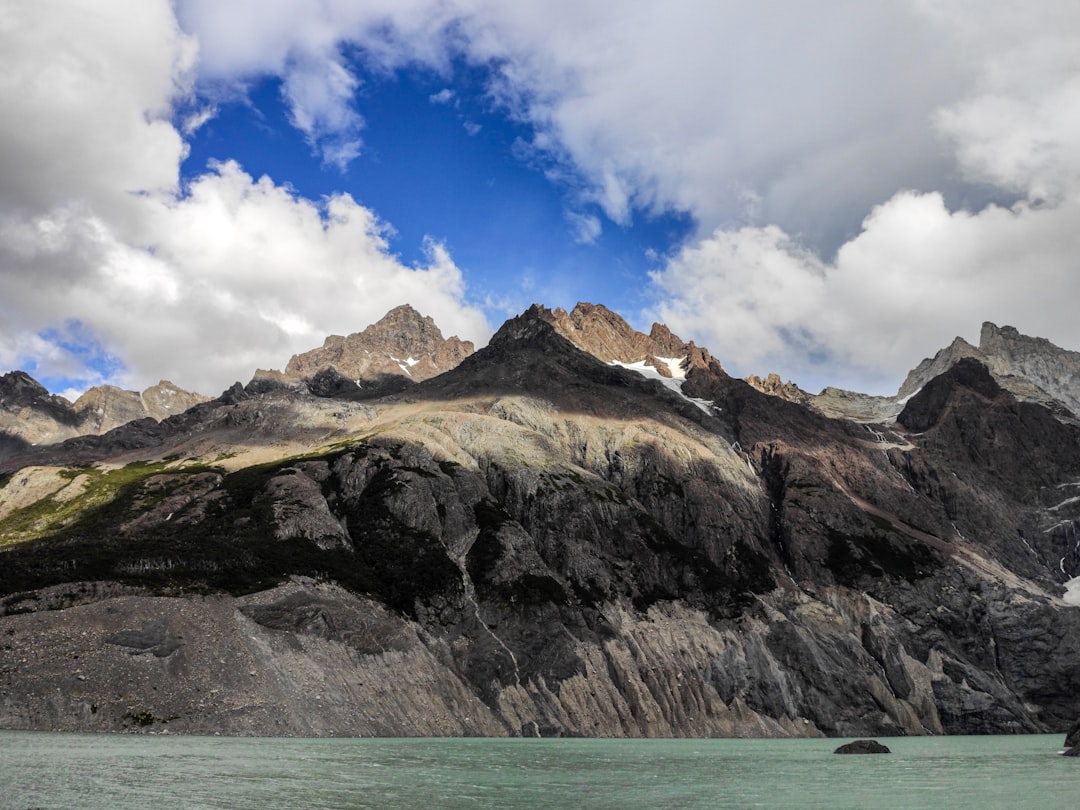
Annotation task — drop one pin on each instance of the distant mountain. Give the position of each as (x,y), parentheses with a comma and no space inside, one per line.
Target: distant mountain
(30,415)
(1032,368)
(552,537)
(402,347)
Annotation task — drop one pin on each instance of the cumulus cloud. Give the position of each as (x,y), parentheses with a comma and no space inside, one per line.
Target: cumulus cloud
(111,272)
(918,272)
(868,180)
(661,107)
(916,275)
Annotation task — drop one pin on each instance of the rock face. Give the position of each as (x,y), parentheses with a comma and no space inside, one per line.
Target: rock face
(404,346)
(105,407)
(539,542)
(1072,739)
(863,747)
(595,329)
(774,386)
(29,414)
(605,335)
(1022,361)
(1031,368)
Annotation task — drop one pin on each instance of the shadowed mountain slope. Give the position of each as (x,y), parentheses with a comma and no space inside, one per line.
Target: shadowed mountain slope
(541,541)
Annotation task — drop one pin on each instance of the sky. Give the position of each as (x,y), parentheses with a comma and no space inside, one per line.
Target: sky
(831,191)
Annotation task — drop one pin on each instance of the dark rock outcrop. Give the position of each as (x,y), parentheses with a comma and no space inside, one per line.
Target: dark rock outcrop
(863,747)
(1072,739)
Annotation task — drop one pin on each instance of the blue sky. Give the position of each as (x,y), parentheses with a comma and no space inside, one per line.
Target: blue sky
(199,188)
(441,160)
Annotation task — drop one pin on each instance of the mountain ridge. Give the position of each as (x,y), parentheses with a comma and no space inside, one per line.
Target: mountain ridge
(545,542)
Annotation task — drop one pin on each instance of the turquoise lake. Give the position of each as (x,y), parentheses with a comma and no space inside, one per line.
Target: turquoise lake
(44,770)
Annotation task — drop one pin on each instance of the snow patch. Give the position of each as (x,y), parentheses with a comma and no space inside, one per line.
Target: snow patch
(674,382)
(403,364)
(1072,592)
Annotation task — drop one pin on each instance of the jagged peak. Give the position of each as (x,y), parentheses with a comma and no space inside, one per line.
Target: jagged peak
(606,335)
(534,322)
(942,360)
(402,343)
(20,383)
(775,386)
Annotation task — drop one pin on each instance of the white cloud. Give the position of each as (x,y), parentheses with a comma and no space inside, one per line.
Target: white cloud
(87,102)
(444,96)
(914,277)
(918,272)
(789,131)
(319,92)
(202,284)
(195,120)
(586,228)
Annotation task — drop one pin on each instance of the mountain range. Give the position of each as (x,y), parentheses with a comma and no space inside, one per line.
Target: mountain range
(579,529)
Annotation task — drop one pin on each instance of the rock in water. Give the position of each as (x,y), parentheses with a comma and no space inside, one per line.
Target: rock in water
(1072,739)
(863,747)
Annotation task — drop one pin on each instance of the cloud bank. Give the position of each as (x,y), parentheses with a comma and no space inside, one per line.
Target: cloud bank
(868,180)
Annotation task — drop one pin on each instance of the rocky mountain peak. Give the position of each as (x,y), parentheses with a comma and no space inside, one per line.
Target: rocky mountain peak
(774,386)
(535,322)
(18,389)
(1031,368)
(941,362)
(401,344)
(105,407)
(607,336)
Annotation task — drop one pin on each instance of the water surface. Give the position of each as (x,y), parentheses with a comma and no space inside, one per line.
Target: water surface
(106,771)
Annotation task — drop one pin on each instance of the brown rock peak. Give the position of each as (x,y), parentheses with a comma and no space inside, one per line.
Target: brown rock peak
(774,386)
(403,343)
(607,336)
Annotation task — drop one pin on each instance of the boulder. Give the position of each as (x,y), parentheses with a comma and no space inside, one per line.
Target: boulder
(862,747)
